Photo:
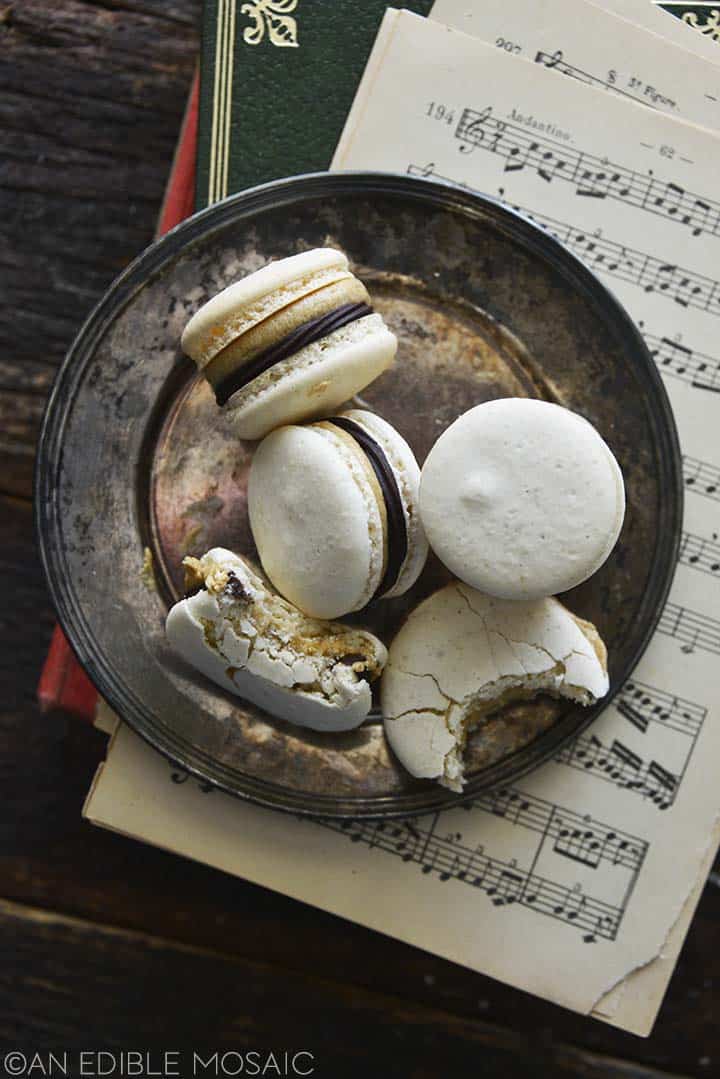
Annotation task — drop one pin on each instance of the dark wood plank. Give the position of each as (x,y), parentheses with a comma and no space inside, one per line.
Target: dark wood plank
(107,987)
(91,96)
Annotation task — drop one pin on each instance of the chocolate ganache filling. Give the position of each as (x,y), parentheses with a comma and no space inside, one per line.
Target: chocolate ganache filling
(299,338)
(397,538)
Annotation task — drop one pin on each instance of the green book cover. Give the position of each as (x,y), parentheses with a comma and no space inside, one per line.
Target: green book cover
(704,17)
(277,80)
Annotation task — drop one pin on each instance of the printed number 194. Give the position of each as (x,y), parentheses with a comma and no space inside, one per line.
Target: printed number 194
(444,113)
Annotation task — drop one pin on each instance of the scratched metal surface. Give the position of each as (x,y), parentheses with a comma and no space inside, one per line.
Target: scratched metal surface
(135,454)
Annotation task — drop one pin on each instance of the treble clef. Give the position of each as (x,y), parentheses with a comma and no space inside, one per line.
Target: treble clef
(472,133)
(548,59)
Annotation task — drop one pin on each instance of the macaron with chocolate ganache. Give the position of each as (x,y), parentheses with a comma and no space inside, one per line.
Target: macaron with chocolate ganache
(290,342)
(334,512)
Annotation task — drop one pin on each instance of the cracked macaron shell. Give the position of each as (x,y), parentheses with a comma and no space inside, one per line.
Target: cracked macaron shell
(254,644)
(461,653)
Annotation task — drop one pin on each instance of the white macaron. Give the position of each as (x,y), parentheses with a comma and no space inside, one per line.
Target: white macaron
(521,498)
(334,513)
(234,629)
(461,655)
(294,340)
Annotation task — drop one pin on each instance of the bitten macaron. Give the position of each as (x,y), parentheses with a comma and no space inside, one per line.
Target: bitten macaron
(462,655)
(234,629)
(334,512)
(290,342)
(522,498)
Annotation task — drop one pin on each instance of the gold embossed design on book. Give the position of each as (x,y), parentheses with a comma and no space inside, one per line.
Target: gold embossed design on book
(273,16)
(711,25)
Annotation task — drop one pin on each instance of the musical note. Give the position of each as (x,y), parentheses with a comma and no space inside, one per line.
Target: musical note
(624,768)
(691,628)
(643,704)
(700,554)
(506,883)
(701,478)
(539,815)
(592,176)
(679,361)
(579,844)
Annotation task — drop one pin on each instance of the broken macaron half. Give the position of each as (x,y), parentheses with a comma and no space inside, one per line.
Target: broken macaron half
(238,632)
(461,655)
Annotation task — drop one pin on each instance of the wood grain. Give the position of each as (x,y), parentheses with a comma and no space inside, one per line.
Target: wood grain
(155,993)
(91,97)
(104,940)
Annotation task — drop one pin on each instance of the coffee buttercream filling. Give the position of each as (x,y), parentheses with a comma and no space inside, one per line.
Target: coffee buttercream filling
(299,338)
(397,536)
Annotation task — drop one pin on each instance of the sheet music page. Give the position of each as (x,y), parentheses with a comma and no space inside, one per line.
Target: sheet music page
(630,190)
(651,17)
(578,39)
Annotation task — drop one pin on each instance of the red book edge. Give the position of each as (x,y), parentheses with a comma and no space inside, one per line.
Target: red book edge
(63,683)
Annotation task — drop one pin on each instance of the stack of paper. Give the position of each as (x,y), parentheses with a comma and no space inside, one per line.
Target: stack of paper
(604,132)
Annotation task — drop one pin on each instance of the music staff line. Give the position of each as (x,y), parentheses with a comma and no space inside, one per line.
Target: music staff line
(692,629)
(668,280)
(700,554)
(557,62)
(678,361)
(641,705)
(701,477)
(503,882)
(580,839)
(592,176)
(621,766)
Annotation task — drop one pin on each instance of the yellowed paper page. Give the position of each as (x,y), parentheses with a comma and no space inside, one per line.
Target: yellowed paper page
(592,46)
(138,793)
(631,191)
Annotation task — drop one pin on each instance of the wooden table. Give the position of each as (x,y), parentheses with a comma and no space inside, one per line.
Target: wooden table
(107,942)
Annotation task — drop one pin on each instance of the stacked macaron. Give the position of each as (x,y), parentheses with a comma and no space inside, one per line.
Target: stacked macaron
(293,340)
(334,513)
(520,499)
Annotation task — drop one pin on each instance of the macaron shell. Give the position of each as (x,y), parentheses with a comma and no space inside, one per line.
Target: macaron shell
(407,475)
(255,297)
(460,651)
(186,634)
(273,329)
(522,498)
(300,480)
(315,381)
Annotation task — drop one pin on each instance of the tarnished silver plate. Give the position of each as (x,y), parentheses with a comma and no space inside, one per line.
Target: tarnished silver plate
(135,457)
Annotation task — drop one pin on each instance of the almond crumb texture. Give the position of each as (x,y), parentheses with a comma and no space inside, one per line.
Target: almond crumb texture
(462,655)
(249,640)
